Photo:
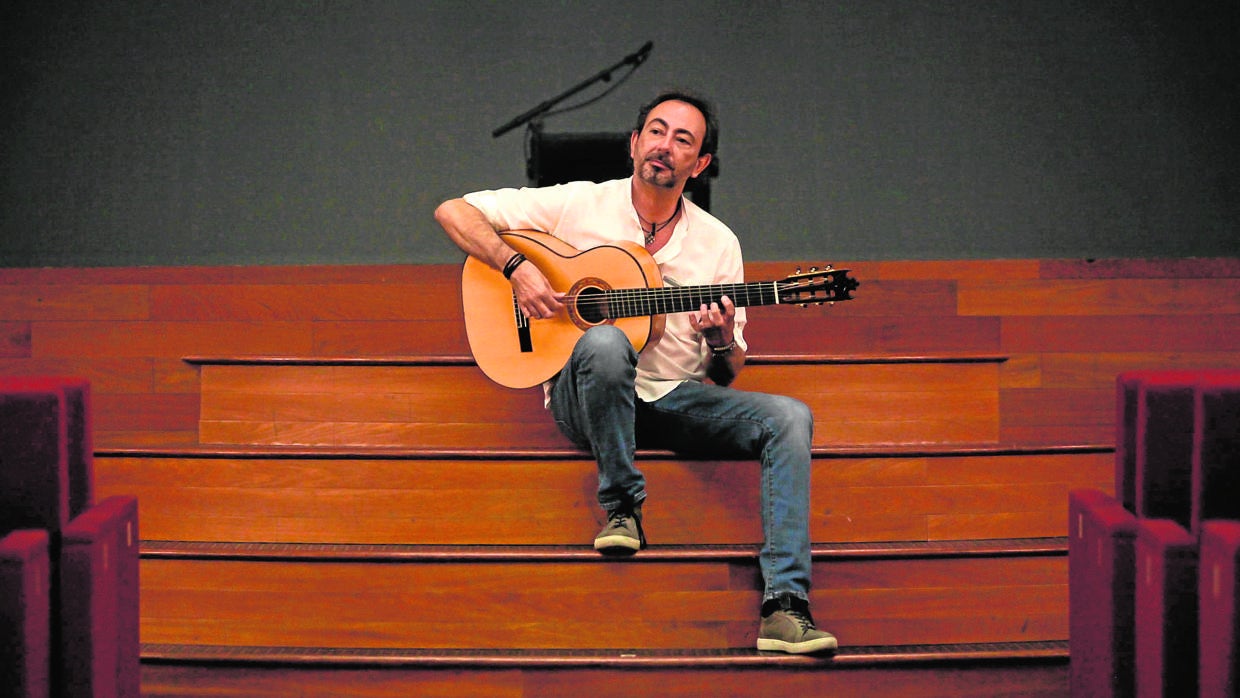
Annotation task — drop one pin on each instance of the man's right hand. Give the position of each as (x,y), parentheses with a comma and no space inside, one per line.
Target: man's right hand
(535,297)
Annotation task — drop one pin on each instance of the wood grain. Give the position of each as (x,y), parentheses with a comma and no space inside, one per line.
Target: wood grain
(1072,297)
(460,502)
(1059,321)
(441,406)
(691,604)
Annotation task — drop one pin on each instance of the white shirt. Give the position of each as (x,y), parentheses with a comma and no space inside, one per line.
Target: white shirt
(701,251)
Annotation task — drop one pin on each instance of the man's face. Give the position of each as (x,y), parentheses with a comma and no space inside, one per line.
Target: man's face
(666,151)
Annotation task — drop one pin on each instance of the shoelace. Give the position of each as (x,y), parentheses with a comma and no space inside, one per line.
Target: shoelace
(801,619)
(619,518)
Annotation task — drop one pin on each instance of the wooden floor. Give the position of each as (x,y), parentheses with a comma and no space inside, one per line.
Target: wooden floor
(334,501)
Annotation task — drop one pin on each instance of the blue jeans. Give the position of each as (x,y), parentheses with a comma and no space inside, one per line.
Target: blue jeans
(594,404)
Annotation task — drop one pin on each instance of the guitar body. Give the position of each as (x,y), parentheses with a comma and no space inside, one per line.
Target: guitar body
(616,284)
(520,353)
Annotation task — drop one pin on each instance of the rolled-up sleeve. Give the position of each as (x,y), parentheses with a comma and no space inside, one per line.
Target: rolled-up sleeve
(528,208)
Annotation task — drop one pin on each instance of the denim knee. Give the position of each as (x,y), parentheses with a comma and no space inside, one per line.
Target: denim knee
(793,418)
(605,350)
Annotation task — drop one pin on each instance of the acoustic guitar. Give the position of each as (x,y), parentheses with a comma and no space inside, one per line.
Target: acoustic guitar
(617,284)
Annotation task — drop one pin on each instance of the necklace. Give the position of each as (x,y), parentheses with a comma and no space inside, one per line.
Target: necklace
(655,228)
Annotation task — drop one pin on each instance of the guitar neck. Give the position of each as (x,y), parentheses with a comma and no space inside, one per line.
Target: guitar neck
(664,300)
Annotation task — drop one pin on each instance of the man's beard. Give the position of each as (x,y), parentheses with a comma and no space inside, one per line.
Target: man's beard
(665,178)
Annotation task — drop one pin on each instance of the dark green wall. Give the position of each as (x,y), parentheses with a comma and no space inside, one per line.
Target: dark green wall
(281,131)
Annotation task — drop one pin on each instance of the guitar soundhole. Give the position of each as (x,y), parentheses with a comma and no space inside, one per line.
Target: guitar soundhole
(589,306)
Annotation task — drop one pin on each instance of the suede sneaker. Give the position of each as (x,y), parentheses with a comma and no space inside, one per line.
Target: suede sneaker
(623,533)
(787,626)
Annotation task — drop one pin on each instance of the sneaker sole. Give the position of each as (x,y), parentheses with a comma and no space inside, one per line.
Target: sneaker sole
(617,545)
(807,647)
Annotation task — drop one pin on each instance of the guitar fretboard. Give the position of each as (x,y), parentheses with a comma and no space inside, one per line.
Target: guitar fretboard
(637,302)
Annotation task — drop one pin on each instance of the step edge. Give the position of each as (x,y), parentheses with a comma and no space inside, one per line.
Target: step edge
(468,360)
(846,657)
(396,553)
(926,450)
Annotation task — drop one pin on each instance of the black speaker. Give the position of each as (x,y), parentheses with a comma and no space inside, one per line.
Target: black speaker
(556,158)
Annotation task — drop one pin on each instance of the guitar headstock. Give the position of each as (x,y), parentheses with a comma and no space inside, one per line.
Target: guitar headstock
(817,286)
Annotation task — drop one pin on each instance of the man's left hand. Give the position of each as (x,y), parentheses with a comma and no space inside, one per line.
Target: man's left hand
(715,322)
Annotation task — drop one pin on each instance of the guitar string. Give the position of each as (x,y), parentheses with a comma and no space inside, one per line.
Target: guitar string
(665,293)
(748,290)
(613,300)
(647,301)
(641,300)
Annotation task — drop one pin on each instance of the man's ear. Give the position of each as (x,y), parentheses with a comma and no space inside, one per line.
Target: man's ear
(702,163)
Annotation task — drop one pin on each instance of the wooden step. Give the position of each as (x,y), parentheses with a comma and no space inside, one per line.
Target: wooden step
(899,655)
(1030,670)
(887,655)
(665,598)
(446,402)
(547,497)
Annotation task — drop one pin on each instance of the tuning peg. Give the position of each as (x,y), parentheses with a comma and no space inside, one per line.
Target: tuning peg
(798,271)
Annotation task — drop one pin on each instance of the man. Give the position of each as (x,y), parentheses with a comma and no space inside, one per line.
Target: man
(608,398)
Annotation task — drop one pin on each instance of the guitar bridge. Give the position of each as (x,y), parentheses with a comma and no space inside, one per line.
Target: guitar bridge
(523,327)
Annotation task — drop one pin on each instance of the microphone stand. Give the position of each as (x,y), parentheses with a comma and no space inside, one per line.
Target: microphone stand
(634,59)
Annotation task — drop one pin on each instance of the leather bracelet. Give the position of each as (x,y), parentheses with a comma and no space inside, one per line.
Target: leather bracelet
(723,350)
(511,265)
